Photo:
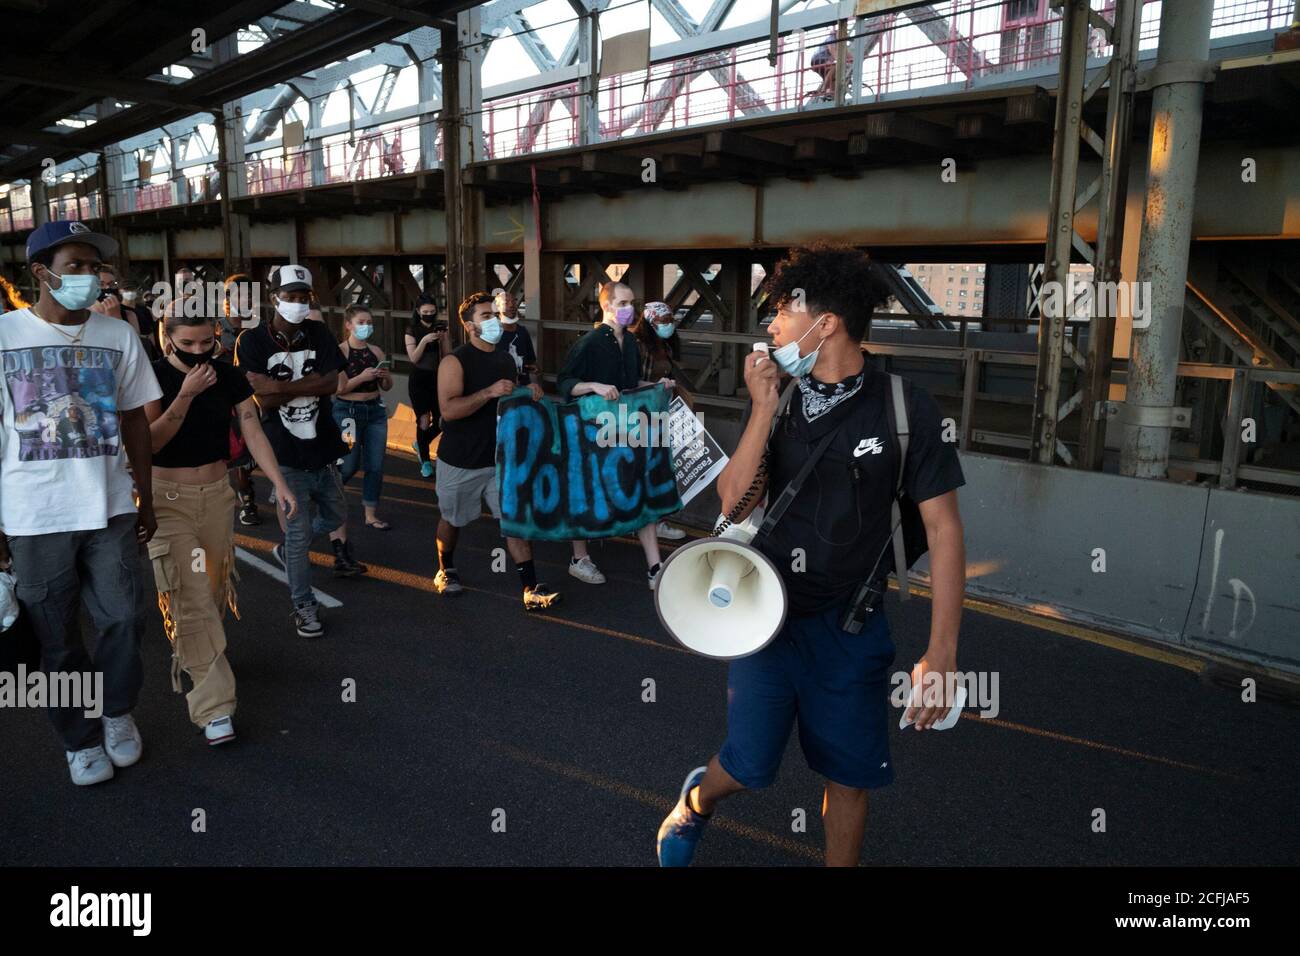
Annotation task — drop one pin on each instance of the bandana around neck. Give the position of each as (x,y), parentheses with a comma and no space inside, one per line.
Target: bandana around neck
(820,397)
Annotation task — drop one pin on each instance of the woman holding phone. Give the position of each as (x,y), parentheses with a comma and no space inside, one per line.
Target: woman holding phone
(359,409)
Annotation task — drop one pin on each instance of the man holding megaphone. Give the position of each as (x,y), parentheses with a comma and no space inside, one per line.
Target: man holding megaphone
(826,452)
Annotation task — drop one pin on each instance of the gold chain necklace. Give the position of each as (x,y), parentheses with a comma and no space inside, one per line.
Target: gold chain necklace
(73,338)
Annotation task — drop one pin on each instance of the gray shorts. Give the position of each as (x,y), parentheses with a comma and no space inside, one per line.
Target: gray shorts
(462,492)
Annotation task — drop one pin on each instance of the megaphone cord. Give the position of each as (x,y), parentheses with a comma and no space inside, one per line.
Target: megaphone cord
(758,485)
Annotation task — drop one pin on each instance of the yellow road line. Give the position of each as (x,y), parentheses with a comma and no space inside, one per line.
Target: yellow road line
(1095,745)
(1042,622)
(654,800)
(422,583)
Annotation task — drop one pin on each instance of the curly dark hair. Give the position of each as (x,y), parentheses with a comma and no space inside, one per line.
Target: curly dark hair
(466,308)
(830,277)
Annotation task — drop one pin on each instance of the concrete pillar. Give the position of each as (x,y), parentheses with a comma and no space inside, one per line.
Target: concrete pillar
(236,248)
(427,82)
(1178,83)
(589,80)
(314,147)
(462,137)
(40,202)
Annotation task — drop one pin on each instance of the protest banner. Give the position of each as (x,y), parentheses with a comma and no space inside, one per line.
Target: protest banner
(589,468)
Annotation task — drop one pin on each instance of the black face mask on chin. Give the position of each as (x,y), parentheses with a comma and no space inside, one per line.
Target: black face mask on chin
(192,359)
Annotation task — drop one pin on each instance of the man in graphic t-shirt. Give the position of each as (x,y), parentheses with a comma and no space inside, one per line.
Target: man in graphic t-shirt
(515,340)
(75,383)
(294,367)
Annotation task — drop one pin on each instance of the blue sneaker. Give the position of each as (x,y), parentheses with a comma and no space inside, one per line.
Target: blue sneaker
(426,466)
(681,829)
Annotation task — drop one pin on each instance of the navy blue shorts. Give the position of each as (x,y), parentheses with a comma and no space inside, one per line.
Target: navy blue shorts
(835,683)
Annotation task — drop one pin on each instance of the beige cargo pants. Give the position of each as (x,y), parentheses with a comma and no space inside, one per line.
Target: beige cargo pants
(193,564)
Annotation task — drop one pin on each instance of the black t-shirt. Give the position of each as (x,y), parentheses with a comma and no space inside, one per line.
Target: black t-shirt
(429,360)
(518,344)
(471,442)
(204,435)
(841,518)
(358,360)
(302,431)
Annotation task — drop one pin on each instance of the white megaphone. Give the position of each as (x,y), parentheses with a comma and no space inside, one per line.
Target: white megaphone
(719,596)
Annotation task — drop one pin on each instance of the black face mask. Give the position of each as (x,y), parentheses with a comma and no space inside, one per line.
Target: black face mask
(427,319)
(192,359)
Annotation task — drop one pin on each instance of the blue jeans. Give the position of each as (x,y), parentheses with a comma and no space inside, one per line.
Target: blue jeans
(323,488)
(369,439)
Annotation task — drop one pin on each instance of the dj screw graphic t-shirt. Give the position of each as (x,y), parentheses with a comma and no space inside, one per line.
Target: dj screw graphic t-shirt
(62,464)
(302,430)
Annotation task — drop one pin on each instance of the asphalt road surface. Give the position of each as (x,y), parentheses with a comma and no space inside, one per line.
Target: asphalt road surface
(470,712)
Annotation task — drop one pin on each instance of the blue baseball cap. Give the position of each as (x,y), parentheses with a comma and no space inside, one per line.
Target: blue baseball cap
(62,231)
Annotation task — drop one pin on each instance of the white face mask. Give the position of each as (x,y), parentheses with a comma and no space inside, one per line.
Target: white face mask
(292,312)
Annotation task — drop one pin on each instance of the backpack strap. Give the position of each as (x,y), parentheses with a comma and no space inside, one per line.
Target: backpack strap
(898,410)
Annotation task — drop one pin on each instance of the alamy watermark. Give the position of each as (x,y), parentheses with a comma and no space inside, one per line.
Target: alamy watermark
(239,302)
(937,689)
(83,690)
(1078,297)
(635,430)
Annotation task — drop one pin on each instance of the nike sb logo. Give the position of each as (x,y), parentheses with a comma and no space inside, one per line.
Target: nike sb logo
(872,445)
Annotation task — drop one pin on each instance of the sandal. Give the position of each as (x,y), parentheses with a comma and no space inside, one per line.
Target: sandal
(379,524)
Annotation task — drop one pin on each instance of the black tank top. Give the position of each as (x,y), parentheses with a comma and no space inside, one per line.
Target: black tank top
(358,361)
(472,442)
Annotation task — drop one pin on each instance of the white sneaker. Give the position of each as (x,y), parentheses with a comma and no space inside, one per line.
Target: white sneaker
(89,766)
(122,740)
(652,576)
(219,731)
(586,570)
(669,533)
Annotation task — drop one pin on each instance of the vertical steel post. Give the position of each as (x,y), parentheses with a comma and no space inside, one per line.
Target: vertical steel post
(1060,227)
(1110,227)
(1178,83)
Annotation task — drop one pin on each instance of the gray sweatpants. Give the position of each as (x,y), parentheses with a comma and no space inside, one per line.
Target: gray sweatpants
(55,574)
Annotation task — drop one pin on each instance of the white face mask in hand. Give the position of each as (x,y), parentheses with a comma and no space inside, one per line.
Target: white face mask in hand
(292,312)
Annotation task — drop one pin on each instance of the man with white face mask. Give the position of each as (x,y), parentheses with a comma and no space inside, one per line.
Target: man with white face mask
(75,384)
(294,366)
(515,340)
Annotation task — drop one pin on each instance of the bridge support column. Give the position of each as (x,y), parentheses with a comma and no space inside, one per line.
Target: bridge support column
(461,56)
(235,246)
(1179,88)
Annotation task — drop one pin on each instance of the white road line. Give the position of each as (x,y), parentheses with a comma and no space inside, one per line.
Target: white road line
(270,569)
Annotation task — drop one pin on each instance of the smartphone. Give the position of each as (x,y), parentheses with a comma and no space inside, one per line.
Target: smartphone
(386,364)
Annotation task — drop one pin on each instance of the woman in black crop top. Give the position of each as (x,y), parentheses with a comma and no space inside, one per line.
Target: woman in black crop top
(193,550)
(359,410)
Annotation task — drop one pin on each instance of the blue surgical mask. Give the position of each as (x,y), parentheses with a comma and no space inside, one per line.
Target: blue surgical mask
(489,330)
(363,331)
(666,330)
(791,362)
(75,292)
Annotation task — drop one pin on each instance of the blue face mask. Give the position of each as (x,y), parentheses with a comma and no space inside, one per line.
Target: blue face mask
(75,292)
(666,330)
(363,331)
(791,362)
(489,330)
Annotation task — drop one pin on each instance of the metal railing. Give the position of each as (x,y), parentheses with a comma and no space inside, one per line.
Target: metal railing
(883,57)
